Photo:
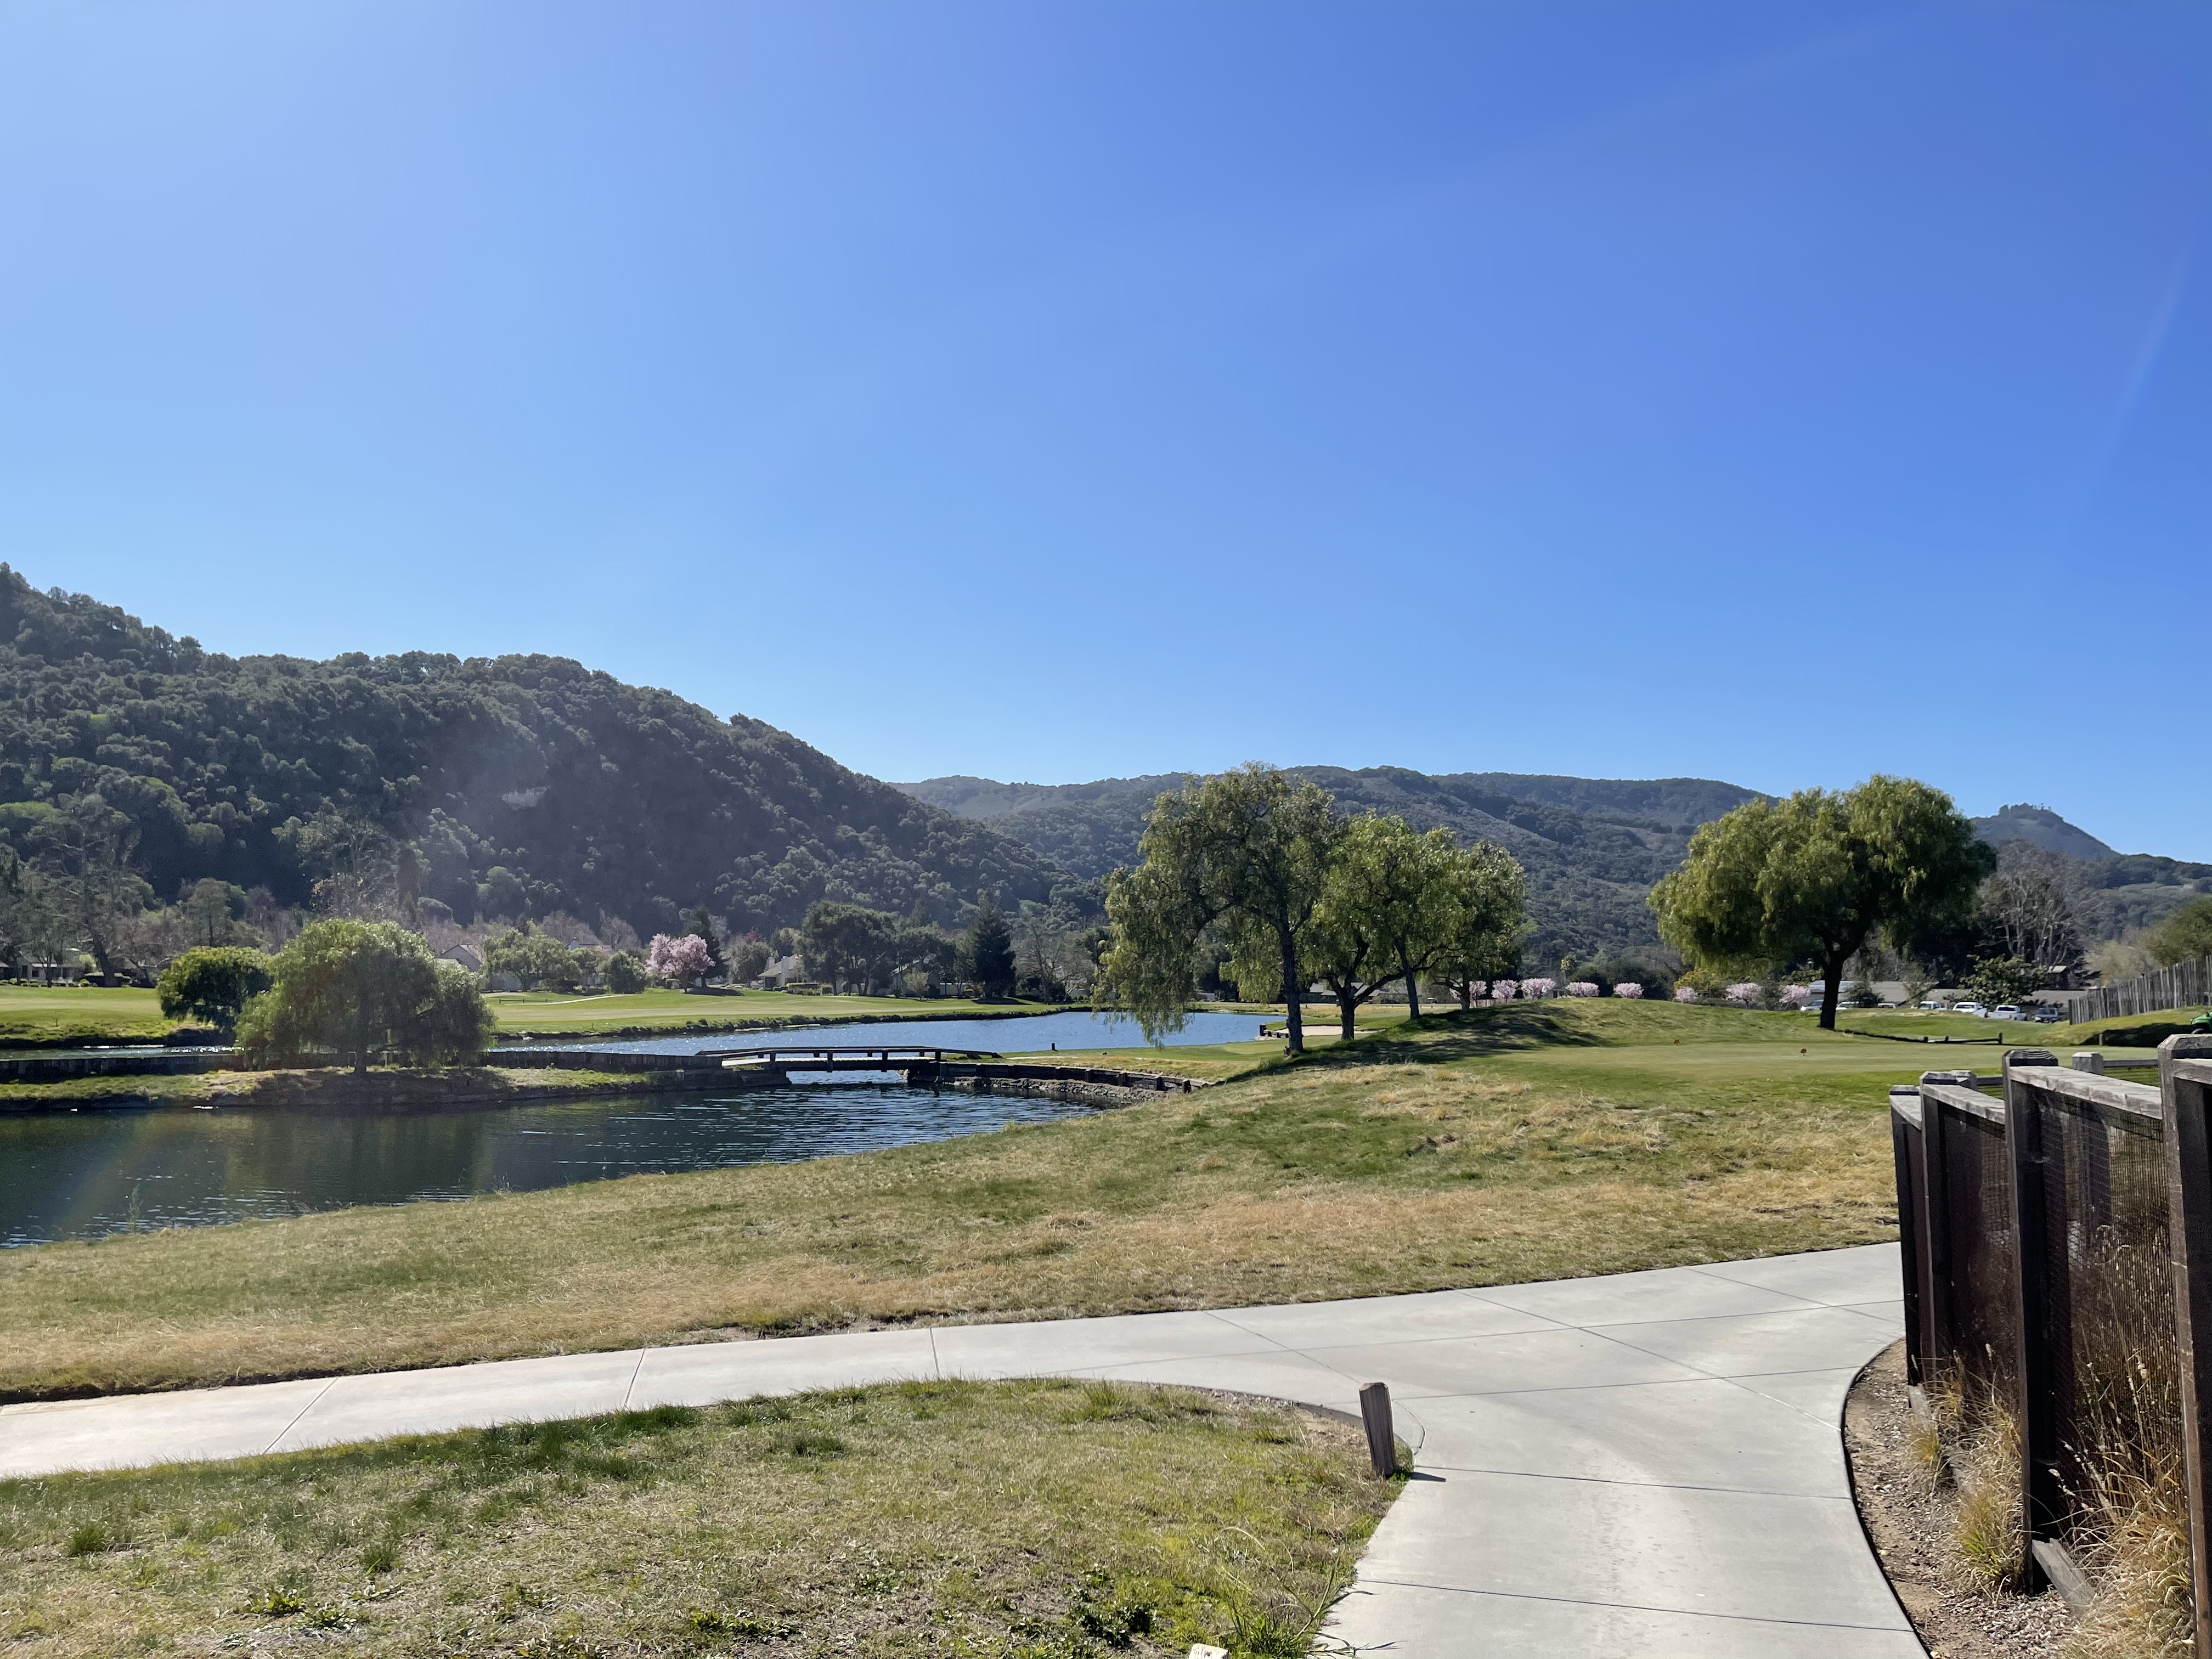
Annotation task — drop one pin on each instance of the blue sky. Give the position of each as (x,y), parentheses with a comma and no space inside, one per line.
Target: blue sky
(1776,393)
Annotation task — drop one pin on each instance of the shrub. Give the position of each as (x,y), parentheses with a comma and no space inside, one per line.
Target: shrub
(626,975)
(1628,988)
(213,983)
(1685,993)
(1582,987)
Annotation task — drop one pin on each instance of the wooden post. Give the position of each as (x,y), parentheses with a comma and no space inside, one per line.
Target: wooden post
(1381,1434)
(1912,1247)
(2189,1237)
(2038,1425)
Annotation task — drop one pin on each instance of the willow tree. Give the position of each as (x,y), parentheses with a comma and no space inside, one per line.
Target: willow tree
(364,988)
(1246,852)
(1814,877)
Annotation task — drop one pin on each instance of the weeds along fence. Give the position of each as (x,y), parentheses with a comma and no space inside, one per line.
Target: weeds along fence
(2184,985)
(2056,1227)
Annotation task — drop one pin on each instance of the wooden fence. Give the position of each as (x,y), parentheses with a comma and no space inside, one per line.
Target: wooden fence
(2184,985)
(2056,1227)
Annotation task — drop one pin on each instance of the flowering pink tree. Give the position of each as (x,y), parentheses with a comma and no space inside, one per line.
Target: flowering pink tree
(1582,987)
(1685,993)
(1539,988)
(1505,990)
(1479,990)
(1746,995)
(1796,995)
(1629,988)
(677,961)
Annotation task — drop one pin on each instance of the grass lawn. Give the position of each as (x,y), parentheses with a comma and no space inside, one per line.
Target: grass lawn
(1524,1142)
(554,1013)
(62,1014)
(1017,1519)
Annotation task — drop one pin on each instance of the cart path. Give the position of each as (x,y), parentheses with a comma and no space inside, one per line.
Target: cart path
(1646,1464)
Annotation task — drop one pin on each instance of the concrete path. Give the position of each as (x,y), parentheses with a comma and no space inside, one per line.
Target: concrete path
(1645,1465)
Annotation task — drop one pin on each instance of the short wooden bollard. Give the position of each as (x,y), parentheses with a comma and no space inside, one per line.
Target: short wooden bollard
(1381,1436)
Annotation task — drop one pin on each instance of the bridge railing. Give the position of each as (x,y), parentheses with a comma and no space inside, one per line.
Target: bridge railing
(895,1054)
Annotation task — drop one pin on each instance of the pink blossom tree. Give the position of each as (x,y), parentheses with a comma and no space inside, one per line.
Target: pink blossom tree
(1628,988)
(1539,988)
(1746,995)
(1685,993)
(1505,990)
(681,961)
(1582,987)
(1796,995)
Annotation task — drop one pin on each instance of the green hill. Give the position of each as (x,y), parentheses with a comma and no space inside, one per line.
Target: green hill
(595,796)
(1592,847)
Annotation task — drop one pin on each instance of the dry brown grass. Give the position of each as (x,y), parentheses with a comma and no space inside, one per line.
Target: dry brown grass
(1024,1521)
(1410,1162)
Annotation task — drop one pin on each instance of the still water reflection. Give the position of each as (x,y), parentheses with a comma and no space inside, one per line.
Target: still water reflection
(82,1174)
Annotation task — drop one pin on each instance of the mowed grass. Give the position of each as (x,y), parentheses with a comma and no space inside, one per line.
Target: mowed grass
(1501,1146)
(553,1013)
(1018,1520)
(57,1015)
(89,1013)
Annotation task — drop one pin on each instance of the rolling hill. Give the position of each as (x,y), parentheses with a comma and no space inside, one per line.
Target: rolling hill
(559,787)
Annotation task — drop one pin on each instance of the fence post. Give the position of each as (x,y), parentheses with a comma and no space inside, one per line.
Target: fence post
(1910,1244)
(2038,1426)
(2189,1237)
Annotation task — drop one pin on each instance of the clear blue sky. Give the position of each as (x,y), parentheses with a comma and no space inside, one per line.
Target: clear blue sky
(1776,393)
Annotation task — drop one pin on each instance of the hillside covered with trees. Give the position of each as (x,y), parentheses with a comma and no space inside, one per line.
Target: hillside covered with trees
(514,787)
(1591,848)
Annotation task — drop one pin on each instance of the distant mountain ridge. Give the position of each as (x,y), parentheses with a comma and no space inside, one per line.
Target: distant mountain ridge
(1592,845)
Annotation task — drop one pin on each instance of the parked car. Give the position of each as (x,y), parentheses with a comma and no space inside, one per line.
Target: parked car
(2004,1010)
(1934,1002)
(1973,1008)
(2048,1014)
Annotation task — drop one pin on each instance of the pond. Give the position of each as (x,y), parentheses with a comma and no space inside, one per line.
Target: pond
(1022,1034)
(81,1175)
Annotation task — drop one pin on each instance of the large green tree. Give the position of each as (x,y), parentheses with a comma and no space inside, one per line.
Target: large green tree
(1814,878)
(1488,921)
(1248,851)
(989,951)
(1386,911)
(213,982)
(360,989)
(2185,935)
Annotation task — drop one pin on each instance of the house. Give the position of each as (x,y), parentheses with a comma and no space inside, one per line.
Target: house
(464,954)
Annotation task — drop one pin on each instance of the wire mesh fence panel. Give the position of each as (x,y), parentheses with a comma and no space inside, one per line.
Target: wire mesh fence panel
(1978,1319)
(2114,1376)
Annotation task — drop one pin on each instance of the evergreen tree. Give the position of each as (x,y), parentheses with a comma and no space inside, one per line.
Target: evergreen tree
(988,952)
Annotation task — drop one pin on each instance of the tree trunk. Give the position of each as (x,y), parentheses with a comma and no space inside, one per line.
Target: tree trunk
(1832,993)
(1293,992)
(1348,1007)
(1466,994)
(1412,990)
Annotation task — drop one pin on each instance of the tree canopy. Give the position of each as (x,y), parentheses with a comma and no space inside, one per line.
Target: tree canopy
(2185,935)
(213,983)
(1250,850)
(1813,878)
(363,989)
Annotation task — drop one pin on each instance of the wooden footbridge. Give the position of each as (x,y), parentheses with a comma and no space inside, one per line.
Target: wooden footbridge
(915,1064)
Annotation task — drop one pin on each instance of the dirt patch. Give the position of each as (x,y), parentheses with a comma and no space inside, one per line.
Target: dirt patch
(1909,1519)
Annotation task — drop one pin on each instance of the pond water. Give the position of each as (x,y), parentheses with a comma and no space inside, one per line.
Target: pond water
(1022,1033)
(80,1174)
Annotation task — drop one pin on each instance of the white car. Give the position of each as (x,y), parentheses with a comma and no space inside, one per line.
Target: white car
(1973,1008)
(2004,1010)
(1934,1002)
